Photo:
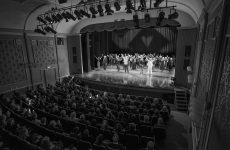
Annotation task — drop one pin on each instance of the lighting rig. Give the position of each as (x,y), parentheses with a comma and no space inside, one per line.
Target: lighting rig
(91,9)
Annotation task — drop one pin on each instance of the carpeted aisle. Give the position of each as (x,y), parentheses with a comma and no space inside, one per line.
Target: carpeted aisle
(177,132)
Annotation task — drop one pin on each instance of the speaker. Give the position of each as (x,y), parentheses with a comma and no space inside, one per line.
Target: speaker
(62,1)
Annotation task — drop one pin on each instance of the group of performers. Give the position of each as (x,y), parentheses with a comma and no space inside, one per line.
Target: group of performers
(136,61)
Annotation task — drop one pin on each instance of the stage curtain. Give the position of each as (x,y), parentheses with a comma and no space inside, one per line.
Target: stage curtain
(150,40)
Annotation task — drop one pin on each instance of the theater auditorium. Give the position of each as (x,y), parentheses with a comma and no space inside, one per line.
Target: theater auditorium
(114,74)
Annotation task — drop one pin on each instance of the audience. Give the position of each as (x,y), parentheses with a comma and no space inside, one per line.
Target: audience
(71,102)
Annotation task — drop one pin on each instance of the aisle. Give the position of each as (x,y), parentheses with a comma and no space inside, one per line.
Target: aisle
(177,132)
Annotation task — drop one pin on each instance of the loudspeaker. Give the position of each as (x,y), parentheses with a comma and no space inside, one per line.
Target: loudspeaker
(62,1)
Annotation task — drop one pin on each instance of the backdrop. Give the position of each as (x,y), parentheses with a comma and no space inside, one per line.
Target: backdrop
(149,40)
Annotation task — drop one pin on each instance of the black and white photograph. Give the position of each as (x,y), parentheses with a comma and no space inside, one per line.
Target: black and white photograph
(114,75)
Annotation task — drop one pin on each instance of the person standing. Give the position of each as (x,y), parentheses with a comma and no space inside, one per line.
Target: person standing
(104,62)
(150,66)
(98,62)
(117,62)
(126,62)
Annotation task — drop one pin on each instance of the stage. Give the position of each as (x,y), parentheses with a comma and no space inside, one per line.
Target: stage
(158,78)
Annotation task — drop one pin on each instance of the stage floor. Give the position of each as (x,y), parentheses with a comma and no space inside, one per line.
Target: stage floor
(158,78)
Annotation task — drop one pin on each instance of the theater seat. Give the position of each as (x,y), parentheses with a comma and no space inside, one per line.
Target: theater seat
(84,145)
(144,140)
(98,147)
(146,130)
(132,142)
(160,133)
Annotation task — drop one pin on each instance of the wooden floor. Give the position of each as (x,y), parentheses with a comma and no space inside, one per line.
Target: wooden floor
(134,77)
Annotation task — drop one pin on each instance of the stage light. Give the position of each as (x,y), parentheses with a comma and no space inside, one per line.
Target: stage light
(173,15)
(81,2)
(147,17)
(100,10)
(50,20)
(117,6)
(84,13)
(108,9)
(64,15)
(93,11)
(160,18)
(62,1)
(157,3)
(59,16)
(55,18)
(136,20)
(41,31)
(142,6)
(41,19)
(129,6)
(70,16)
(78,14)
(49,29)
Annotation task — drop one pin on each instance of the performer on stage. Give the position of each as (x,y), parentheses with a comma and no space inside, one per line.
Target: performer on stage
(150,66)
(141,63)
(104,62)
(126,62)
(98,62)
(117,62)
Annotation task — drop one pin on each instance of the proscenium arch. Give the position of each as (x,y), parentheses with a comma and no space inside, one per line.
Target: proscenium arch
(71,26)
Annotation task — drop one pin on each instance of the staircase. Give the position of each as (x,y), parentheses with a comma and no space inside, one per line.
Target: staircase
(181,99)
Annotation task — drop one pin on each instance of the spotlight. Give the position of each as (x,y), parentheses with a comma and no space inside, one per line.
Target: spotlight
(160,18)
(129,6)
(93,11)
(142,6)
(62,1)
(78,14)
(173,15)
(100,10)
(84,13)
(49,19)
(41,19)
(157,3)
(136,20)
(64,15)
(117,6)
(49,29)
(59,16)
(147,17)
(39,31)
(55,18)
(70,16)
(108,9)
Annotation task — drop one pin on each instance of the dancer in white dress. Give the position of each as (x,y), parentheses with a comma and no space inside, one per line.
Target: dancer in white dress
(150,66)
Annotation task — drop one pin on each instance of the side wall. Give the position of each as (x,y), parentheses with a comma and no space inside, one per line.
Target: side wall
(186,39)
(27,60)
(74,50)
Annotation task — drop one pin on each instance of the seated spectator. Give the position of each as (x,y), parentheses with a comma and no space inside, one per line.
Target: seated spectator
(132,128)
(115,144)
(23,133)
(73,116)
(52,124)
(3,122)
(99,140)
(63,114)
(150,146)
(86,136)
(76,132)
(43,121)
(59,125)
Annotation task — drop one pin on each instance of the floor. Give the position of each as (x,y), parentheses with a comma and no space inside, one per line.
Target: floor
(134,77)
(177,132)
